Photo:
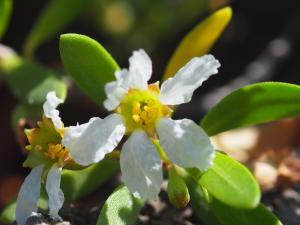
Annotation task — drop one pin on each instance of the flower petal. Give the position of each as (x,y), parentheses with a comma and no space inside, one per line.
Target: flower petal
(50,111)
(180,88)
(88,143)
(141,166)
(115,90)
(185,143)
(29,195)
(55,194)
(140,70)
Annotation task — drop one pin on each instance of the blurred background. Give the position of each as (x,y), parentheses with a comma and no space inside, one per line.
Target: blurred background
(261,43)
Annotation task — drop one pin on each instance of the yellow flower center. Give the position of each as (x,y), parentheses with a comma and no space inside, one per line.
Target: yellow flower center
(58,152)
(142,108)
(45,145)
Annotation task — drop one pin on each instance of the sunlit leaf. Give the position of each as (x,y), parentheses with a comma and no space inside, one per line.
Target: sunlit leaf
(89,64)
(199,41)
(120,208)
(5,13)
(231,182)
(232,216)
(254,104)
(56,15)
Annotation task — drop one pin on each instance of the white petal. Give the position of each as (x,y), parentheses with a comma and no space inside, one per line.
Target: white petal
(180,88)
(55,194)
(141,166)
(50,111)
(185,143)
(140,70)
(88,143)
(29,195)
(115,91)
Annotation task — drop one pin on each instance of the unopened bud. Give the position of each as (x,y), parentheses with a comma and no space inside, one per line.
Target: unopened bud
(177,190)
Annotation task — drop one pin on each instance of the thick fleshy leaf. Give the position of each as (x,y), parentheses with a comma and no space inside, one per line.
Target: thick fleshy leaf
(141,166)
(56,15)
(78,183)
(199,41)
(121,208)
(28,81)
(29,194)
(253,104)
(55,194)
(231,182)
(185,143)
(89,64)
(5,13)
(90,142)
(180,88)
(232,216)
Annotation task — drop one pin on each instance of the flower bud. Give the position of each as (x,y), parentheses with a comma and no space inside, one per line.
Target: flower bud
(177,190)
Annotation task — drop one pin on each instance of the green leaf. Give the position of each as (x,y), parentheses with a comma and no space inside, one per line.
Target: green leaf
(233,216)
(120,208)
(89,64)
(5,13)
(30,82)
(230,182)
(7,216)
(56,15)
(78,183)
(199,41)
(253,104)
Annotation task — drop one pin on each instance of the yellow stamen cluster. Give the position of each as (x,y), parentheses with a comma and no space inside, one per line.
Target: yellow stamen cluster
(142,108)
(57,152)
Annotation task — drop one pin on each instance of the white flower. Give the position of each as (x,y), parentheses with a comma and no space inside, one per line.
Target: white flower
(59,155)
(143,111)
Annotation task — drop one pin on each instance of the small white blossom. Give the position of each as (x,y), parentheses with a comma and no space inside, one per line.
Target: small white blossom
(30,189)
(143,111)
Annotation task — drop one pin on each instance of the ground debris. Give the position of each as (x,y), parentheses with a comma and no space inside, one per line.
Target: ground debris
(40,219)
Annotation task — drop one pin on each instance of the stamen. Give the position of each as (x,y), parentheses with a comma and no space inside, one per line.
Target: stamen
(57,152)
